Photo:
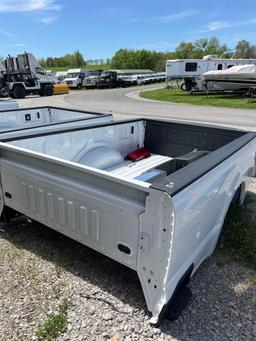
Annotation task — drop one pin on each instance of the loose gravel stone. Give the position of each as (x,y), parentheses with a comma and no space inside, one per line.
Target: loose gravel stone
(107,316)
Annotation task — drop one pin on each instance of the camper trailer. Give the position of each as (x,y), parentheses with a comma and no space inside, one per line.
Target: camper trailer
(192,70)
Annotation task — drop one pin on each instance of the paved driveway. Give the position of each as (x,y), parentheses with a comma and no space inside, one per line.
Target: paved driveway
(126,103)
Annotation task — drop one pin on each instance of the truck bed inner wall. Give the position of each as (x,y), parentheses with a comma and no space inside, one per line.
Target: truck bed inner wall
(168,138)
(173,139)
(164,138)
(20,119)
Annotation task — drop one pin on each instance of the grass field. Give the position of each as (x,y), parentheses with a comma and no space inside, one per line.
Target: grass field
(90,67)
(217,100)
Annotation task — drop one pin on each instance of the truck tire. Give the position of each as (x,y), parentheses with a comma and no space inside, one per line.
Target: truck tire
(47,90)
(4,92)
(19,92)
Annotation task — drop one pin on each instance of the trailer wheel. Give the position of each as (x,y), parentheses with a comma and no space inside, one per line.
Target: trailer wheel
(19,92)
(183,87)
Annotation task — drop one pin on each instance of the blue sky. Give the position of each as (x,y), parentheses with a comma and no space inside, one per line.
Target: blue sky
(99,28)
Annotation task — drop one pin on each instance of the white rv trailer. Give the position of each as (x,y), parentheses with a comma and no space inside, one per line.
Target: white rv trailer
(192,70)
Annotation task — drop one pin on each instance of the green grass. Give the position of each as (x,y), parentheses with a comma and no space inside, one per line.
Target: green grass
(55,324)
(238,237)
(217,100)
(89,67)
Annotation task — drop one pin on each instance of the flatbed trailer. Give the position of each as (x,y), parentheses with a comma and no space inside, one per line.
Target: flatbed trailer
(160,214)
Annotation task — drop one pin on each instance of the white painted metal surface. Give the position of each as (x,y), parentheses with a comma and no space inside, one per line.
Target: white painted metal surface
(8,105)
(165,235)
(14,123)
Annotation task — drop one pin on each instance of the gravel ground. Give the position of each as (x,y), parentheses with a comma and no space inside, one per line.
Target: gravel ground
(39,268)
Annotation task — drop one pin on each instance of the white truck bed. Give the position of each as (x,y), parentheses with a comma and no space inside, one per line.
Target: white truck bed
(8,105)
(80,183)
(31,121)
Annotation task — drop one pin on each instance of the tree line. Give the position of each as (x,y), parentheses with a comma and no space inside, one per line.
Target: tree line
(75,59)
(146,59)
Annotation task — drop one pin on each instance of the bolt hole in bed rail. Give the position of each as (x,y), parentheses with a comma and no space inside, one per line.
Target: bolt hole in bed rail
(80,183)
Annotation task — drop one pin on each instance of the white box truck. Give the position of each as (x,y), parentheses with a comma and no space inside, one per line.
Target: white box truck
(75,78)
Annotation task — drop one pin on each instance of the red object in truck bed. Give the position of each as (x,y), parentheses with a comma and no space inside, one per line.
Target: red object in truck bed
(139,154)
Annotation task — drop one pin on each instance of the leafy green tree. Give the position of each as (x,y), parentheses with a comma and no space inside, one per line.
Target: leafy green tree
(185,50)
(75,59)
(79,59)
(244,49)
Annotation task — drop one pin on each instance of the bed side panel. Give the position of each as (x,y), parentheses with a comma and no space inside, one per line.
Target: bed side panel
(99,214)
(200,210)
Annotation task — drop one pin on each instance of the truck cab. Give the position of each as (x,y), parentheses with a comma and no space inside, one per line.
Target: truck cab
(75,78)
(108,79)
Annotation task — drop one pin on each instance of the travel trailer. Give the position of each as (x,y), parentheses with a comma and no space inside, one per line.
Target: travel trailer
(192,70)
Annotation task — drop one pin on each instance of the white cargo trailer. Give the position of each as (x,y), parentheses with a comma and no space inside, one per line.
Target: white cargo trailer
(152,195)
(191,70)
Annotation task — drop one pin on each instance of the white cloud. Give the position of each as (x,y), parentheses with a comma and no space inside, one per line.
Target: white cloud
(165,19)
(131,20)
(28,5)
(218,25)
(19,44)
(49,20)
(7,34)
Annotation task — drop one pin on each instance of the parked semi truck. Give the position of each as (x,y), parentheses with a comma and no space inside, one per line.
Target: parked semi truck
(152,195)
